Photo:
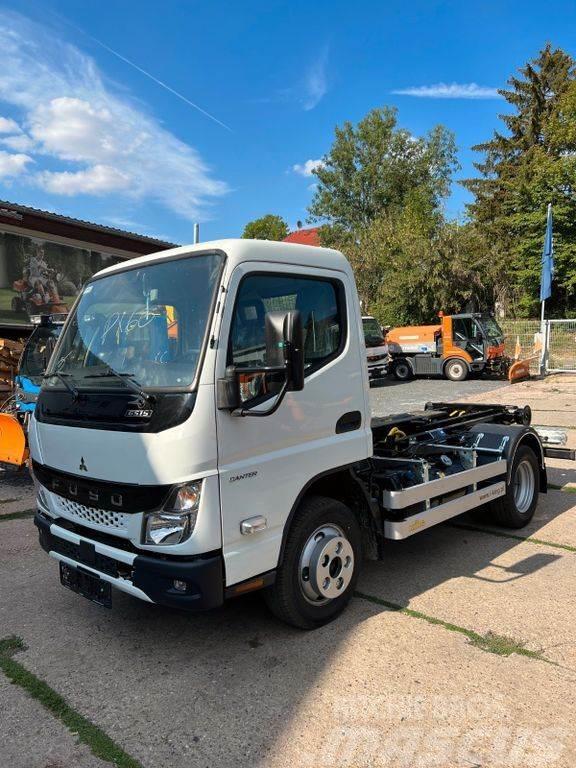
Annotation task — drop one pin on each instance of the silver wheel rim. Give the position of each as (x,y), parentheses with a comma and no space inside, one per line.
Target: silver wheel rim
(524,485)
(456,370)
(326,566)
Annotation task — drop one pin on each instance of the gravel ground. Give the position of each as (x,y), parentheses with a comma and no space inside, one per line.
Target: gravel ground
(391,396)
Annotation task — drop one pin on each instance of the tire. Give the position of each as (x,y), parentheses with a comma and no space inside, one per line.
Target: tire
(456,370)
(401,370)
(517,507)
(322,528)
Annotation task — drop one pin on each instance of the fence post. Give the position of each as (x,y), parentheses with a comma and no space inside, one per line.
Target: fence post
(545,333)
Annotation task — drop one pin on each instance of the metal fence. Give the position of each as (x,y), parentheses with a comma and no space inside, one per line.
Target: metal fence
(523,341)
(557,344)
(560,346)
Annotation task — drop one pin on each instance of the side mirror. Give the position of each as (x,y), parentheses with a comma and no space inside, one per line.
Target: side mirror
(285,346)
(294,351)
(284,354)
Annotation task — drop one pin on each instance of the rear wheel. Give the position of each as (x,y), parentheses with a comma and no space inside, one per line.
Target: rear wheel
(401,370)
(322,558)
(517,507)
(456,370)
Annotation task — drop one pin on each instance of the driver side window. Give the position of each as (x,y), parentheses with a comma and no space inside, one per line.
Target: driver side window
(318,302)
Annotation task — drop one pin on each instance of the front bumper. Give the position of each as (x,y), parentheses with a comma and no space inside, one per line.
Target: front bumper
(145,576)
(377,371)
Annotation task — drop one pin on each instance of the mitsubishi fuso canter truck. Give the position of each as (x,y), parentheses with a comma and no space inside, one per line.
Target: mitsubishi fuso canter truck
(203,430)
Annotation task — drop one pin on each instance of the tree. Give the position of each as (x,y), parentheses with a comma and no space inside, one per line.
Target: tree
(409,264)
(269,227)
(523,170)
(375,166)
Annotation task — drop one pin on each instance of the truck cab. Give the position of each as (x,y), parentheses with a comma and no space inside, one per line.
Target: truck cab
(150,439)
(204,430)
(376,348)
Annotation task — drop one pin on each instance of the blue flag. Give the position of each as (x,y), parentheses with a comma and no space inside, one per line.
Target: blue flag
(547,259)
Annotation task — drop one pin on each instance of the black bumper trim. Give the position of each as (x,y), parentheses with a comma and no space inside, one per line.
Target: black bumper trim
(204,578)
(204,574)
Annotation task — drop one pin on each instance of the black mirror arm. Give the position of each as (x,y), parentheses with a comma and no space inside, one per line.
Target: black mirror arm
(270,411)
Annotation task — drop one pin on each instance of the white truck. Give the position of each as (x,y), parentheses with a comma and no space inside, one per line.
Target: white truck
(377,352)
(204,430)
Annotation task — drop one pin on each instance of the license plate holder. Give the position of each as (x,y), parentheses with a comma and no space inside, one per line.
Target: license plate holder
(87,584)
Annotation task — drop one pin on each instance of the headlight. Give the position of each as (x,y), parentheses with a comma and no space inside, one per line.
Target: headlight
(175,523)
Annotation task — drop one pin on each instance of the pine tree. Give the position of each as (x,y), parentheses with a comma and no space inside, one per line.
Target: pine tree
(523,170)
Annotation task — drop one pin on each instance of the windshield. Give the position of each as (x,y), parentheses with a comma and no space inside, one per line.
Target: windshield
(147,323)
(372,332)
(491,328)
(37,352)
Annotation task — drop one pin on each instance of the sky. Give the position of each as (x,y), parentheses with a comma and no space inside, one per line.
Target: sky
(150,117)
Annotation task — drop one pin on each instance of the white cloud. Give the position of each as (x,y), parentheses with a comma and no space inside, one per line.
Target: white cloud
(12,165)
(450,91)
(315,84)
(19,143)
(7,125)
(307,168)
(96,180)
(93,140)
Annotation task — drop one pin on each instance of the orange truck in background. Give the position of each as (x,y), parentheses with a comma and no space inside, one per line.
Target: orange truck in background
(459,345)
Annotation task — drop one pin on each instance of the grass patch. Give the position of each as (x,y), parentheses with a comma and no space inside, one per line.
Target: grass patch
(515,536)
(99,743)
(18,515)
(563,488)
(490,642)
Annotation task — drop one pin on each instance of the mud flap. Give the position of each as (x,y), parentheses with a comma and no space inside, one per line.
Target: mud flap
(13,448)
(519,370)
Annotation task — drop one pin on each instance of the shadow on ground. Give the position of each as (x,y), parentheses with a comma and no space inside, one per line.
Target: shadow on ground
(219,688)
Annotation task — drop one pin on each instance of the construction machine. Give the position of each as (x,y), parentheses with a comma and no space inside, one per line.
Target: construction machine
(456,347)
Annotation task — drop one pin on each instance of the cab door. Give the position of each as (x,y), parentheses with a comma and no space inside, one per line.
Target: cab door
(266,462)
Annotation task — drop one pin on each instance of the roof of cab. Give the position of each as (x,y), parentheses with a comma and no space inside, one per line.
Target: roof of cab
(240,250)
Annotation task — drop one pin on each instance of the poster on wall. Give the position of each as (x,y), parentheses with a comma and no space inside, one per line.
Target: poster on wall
(39,276)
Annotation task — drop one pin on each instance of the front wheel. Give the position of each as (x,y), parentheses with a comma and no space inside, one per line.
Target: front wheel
(456,370)
(401,370)
(320,567)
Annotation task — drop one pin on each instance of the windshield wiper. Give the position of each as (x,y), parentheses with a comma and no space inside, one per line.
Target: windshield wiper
(126,378)
(63,378)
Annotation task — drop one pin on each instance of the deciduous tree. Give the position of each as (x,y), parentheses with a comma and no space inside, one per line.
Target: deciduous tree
(269,227)
(375,166)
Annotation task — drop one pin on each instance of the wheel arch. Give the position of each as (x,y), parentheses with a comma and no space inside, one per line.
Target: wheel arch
(340,484)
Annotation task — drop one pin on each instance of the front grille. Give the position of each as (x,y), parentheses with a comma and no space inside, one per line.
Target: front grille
(102,517)
(100,494)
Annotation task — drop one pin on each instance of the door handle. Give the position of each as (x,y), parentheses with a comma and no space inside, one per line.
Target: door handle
(349,422)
